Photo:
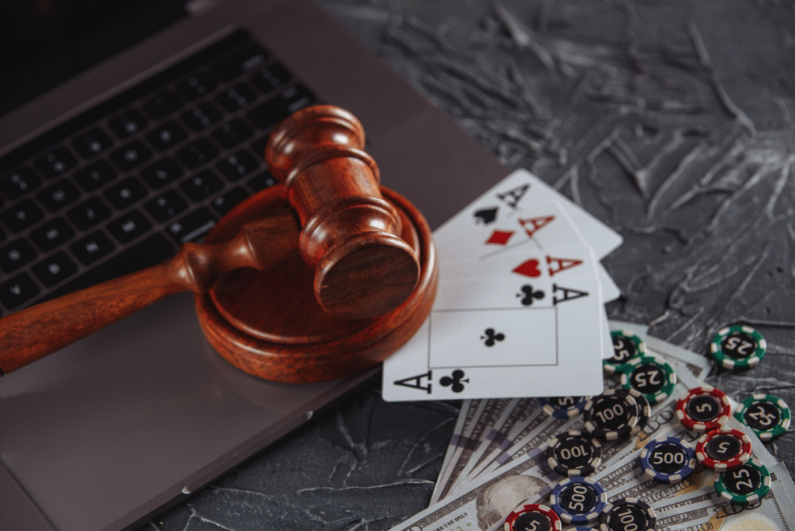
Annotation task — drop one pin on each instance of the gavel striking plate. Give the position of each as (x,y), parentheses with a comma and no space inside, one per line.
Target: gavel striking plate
(317,278)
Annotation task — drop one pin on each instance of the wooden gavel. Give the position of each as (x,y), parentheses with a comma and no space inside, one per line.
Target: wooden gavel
(365,272)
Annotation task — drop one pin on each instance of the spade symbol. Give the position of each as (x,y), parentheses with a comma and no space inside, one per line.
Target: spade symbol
(484,216)
(529,295)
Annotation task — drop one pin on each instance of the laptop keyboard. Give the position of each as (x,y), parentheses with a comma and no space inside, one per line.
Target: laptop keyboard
(124,184)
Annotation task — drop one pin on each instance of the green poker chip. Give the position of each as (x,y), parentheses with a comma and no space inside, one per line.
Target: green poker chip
(626,346)
(651,376)
(746,485)
(767,415)
(738,347)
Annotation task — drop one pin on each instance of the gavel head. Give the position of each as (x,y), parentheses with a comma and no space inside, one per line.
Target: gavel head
(350,235)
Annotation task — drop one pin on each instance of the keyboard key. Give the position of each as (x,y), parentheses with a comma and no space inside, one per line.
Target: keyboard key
(15,255)
(129,226)
(193,227)
(280,106)
(127,123)
(201,117)
(166,206)
(17,291)
(224,203)
(197,153)
(131,156)
(93,247)
(261,181)
(95,175)
(51,234)
(56,162)
(88,213)
(202,185)
(232,133)
(54,269)
(92,143)
(162,105)
(145,253)
(236,97)
(258,147)
(270,78)
(21,216)
(127,192)
(197,85)
(58,195)
(161,173)
(166,136)
(18,183)
(250,58)
(238,165)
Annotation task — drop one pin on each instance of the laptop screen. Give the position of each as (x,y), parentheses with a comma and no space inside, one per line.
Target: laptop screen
(53,40)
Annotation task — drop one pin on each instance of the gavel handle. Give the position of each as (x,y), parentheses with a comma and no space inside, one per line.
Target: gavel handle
(30,334)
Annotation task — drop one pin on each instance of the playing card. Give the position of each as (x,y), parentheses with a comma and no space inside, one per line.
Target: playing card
(512,203)
(541,225)
(503,353)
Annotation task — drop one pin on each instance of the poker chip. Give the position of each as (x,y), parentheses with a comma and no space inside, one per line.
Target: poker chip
(578,500)
(574,453)
(704,408)
(652,376)
(611,415)
(767,415)
(644,412)
(723,449)
(738,347)
(745,485)
(532,516)
(564,407)
(668,459)
(628,514)
(626,346)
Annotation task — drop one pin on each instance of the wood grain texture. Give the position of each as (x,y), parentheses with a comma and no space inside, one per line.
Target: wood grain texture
(30,334)
(350,234)
(270,324)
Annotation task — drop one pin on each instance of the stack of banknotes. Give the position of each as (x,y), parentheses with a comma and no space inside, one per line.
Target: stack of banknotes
(497,460)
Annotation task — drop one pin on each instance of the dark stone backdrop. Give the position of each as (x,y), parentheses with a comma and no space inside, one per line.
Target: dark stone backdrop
(672,121)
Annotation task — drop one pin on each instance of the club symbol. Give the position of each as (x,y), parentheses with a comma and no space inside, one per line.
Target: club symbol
(491,337)
(455,381)
(484,216)
(529,294)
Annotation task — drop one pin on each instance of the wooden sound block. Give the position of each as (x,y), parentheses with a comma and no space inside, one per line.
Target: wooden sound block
(269,323)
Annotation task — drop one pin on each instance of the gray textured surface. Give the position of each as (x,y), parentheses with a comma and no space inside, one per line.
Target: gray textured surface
(671,121)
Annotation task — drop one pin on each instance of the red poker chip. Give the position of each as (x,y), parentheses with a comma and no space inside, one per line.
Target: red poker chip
(704,408)
(723,449)
(533,516)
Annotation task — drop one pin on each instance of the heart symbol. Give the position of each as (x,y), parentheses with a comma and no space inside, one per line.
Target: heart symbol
(528,268)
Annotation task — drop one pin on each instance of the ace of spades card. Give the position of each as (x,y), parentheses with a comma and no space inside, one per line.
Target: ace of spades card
(517,277)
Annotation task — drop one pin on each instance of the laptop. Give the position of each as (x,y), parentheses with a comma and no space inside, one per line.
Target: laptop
(126,131)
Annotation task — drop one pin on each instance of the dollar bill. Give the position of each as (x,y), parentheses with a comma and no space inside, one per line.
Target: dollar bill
(486,415)
(463,425)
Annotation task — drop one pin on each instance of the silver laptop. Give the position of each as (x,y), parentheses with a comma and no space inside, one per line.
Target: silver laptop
(126,131)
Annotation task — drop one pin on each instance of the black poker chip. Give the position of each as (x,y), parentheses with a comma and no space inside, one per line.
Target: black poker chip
(613,414)
(626,346)
(628,514)
(574,453)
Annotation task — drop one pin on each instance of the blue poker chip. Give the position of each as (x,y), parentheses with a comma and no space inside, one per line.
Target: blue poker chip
(578,500)
(564,407)
(668,459)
